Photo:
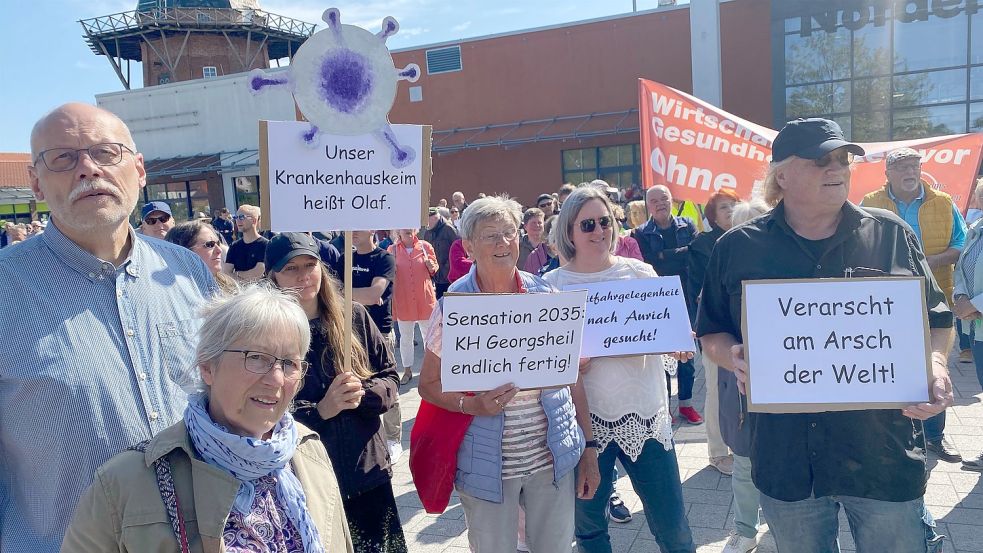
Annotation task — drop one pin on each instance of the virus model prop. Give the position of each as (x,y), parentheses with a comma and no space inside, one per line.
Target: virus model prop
(344,82)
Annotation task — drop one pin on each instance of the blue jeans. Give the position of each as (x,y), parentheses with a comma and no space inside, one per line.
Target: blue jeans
(746,498)
(935,427)
(685,375)
(655,477)
(811,525)
(965,340)
(978,359)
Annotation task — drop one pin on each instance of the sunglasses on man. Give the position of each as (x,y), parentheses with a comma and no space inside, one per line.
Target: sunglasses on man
(588,225)
(160,218)
(844,158)
(544,205)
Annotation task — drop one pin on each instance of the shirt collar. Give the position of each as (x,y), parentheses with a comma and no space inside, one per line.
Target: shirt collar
(921,194)
(88,265)
(852,217)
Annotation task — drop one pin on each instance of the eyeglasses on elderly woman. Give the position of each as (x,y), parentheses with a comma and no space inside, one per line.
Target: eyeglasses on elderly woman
(258,362)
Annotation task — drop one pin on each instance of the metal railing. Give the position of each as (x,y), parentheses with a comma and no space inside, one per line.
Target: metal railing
(195,18)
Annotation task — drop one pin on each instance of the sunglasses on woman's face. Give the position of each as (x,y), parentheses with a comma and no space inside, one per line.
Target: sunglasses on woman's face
(210,244)
(588,225)
(154,220)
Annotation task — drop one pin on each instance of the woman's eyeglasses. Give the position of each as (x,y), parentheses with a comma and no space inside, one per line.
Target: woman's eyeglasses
(210,244)
(258,362)
(494,238)
(588,225)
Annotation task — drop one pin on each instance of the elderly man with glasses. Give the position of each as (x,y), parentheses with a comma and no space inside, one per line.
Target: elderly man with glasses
(105,329)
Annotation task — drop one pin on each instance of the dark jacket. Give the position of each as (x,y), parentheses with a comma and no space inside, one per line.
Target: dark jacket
(665,260)
(441,236)
(353,438)
(732,412)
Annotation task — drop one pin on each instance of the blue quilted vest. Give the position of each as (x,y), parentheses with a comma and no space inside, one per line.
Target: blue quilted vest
(479,460)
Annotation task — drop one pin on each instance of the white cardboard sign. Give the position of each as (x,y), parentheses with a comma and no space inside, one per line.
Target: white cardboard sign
(634,317)
(836,344)
(530,340)
(342,183)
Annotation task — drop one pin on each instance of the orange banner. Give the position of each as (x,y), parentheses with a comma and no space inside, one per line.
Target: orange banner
(696,149)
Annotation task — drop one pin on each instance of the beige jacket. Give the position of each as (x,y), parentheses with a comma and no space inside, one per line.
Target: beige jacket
(122,510)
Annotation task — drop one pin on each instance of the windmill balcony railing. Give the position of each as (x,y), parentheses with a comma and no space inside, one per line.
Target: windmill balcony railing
(197,18)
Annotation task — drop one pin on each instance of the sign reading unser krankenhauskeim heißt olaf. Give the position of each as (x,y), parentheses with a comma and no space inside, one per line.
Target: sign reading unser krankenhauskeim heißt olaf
(346,167)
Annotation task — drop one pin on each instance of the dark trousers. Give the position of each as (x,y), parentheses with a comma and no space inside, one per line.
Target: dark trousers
(374,521)
(685,375)
(441,288)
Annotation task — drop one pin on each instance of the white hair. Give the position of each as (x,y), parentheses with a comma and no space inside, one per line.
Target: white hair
(500,208)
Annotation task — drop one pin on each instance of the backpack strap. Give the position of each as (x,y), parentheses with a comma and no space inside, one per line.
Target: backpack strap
(165,483)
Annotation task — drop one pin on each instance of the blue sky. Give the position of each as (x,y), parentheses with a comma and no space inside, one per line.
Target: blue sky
(46,62)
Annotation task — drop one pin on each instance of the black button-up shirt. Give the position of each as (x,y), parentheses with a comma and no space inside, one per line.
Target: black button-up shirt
(875,454)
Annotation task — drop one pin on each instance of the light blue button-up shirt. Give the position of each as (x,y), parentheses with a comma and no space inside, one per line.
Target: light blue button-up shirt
(92,361)
(909,212)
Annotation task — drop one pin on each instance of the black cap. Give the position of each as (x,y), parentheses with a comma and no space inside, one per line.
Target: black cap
(288,245)
(544,197)
(810,139)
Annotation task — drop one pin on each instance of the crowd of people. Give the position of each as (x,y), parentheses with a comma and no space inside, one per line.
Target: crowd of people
(192,376)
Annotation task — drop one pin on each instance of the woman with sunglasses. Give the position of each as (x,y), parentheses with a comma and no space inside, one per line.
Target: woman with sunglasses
(344,408)
(238,473)
(627,396)
(201,238)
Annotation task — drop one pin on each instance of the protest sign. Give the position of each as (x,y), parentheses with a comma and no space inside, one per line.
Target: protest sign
(343,183)
(696,149)
(530,340)
(816,345)
(634,317)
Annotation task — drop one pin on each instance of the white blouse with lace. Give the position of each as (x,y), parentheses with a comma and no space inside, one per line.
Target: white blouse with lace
(628,398)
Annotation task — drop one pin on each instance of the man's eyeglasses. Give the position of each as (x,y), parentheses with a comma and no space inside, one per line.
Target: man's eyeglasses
(160,218)
(210,244)
(843,158)
(544,205)
(65,159)
(588,225)
(494,238)
(239,217)
(258,362)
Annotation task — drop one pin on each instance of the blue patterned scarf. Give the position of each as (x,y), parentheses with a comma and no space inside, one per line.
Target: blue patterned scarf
(249,458)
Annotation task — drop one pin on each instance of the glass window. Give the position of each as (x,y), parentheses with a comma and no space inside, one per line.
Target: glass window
(871,51)
(871,94)
(199,198)
(936,87)
(819,57)
(937,42)
(809,100)
(609,156)
(976,53)
(871,126)
(976,117)
(976,82)
(247,191)
(929,121)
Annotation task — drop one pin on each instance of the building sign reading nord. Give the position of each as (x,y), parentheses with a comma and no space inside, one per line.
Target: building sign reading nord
(856,14)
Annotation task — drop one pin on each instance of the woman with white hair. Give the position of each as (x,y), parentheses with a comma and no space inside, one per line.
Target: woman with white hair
(237,474)
(521,446)
(627,396)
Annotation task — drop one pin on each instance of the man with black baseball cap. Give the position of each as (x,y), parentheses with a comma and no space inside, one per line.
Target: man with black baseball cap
(808,465)
(156,219)
(547,204)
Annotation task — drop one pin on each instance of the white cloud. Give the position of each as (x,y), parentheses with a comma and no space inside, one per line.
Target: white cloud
(460,27)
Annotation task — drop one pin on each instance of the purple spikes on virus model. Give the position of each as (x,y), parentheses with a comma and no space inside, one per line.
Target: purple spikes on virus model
(344,82)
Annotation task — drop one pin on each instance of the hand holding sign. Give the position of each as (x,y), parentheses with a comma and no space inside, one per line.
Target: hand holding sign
(345,392)
(491,402)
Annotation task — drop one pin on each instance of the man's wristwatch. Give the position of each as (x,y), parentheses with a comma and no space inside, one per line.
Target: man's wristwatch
(591,443)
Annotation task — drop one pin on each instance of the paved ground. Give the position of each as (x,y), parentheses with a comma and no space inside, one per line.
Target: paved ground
(954,496)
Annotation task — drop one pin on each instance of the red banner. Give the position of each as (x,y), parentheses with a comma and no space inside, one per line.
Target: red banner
(696,149)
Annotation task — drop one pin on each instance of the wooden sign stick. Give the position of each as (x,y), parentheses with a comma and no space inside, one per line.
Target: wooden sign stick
(348,301)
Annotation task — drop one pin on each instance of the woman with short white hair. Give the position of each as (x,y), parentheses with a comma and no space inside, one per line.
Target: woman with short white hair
(521,446)
(238,474)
